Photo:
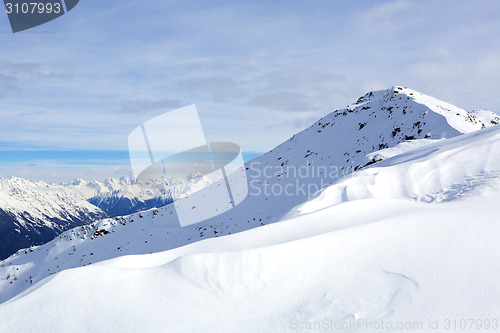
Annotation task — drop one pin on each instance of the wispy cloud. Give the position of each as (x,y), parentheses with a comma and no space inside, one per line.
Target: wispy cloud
(132,106)
(8,84)
(219,88)
(282,101)
(108,66)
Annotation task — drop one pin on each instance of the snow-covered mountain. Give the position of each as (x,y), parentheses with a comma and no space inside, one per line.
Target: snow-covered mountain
(121,196)
(34,213)
(410,187)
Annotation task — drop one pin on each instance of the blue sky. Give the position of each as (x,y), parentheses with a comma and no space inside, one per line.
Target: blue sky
(259,71)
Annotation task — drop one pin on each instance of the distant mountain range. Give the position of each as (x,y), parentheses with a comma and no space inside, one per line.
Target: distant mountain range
(121,196)
(33,213)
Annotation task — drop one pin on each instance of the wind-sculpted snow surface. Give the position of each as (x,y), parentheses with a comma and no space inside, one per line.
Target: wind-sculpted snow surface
(367,247)
(395,261)
(441,171)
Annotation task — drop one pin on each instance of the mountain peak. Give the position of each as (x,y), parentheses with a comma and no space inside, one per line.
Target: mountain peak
(404,98)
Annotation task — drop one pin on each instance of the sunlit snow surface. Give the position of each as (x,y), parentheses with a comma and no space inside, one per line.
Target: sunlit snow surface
(412,238)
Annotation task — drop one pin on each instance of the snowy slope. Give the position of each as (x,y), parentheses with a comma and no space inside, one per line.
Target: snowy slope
(34,213)
(412,239)
(330,149)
